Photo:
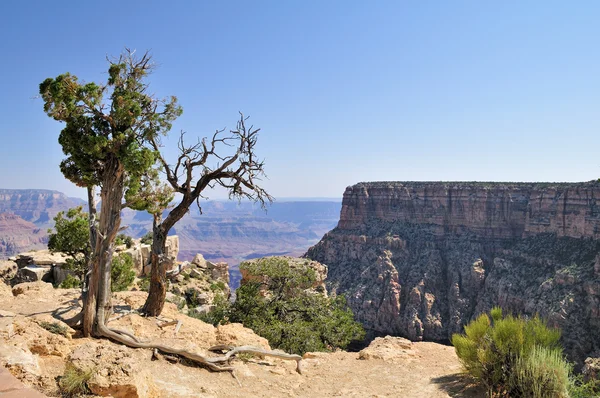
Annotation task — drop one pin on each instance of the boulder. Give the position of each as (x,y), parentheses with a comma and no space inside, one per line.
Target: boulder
(199,261)
(118,371)
(389,349)
(39,288)
(40,258)
(172,246)
(34,273)
(8,269)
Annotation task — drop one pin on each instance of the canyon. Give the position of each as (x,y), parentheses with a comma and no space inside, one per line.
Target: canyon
(223,231)
(421,259)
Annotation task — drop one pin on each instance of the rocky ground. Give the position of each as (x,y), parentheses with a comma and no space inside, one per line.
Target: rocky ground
(38,357)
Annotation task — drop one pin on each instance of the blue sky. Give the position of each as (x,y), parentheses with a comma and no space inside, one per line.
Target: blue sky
(343,91)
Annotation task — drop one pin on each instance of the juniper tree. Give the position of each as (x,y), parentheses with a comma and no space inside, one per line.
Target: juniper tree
(105,140)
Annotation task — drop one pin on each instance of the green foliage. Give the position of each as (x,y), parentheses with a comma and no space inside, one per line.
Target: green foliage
(144,284)
(507,353)
(70,282)
(280,306)
(579,388)
(123,239)
(543,373)
(220,314)
(108,122)
(147,239)
(74,381)
(217,286)
(71,235)
(55,327)
(121,272)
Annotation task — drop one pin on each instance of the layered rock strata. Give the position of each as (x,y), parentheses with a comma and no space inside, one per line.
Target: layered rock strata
(420,259)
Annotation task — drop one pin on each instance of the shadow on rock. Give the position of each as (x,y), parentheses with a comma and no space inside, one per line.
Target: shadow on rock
(459,385)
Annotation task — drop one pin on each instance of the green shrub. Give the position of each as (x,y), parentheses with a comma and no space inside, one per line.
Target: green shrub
(543,373)
(579,388)
(70,282)
(217,286)
(147,239)
(55,327)
(291,316)
(121,272)
(74,381)
(144,284)
(123,239)
(506,355)
(219,314)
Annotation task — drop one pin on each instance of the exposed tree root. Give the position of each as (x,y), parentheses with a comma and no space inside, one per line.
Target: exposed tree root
(217,364)
(73,322)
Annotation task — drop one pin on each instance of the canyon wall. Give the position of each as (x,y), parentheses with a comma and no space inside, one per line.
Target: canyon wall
(421,259)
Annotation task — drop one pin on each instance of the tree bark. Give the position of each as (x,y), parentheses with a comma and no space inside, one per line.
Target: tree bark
(158,273)
(98,297)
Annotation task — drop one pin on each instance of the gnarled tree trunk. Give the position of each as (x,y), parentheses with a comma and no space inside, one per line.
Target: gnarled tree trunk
(97,300)
(158,274)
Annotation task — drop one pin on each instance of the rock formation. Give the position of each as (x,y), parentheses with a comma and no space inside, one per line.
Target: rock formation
(420,259)
(38,206)
(17,235)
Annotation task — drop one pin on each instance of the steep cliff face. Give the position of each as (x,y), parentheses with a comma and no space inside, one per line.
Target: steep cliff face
(421,259)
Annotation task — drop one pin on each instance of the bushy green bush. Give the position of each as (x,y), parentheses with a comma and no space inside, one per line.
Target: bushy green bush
(543,373)
(123,239)
(514,356)
(280,306)
(121,272)
(70,282)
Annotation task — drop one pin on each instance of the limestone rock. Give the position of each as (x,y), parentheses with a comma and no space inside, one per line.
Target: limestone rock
(591,369)
(199,261)
(391,349)
(38,287)
(236,334)
(118,371)
(172,246)
(8,269)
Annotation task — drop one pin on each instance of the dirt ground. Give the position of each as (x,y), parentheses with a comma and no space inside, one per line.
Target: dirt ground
(390,367)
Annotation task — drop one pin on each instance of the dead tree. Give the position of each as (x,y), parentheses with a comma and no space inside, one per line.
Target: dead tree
(229,161)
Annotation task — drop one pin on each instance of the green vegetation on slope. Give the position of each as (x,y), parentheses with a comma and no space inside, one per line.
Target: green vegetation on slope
(280,305)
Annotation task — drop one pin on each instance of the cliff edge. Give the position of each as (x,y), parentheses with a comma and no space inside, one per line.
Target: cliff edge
(420,259)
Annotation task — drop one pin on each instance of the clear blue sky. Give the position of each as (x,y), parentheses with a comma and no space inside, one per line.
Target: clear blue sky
(344,91)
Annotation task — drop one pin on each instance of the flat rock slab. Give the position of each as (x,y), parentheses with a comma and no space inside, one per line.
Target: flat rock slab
(10,387)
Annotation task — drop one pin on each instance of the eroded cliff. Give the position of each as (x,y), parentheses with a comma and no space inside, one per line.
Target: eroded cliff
(420,259)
